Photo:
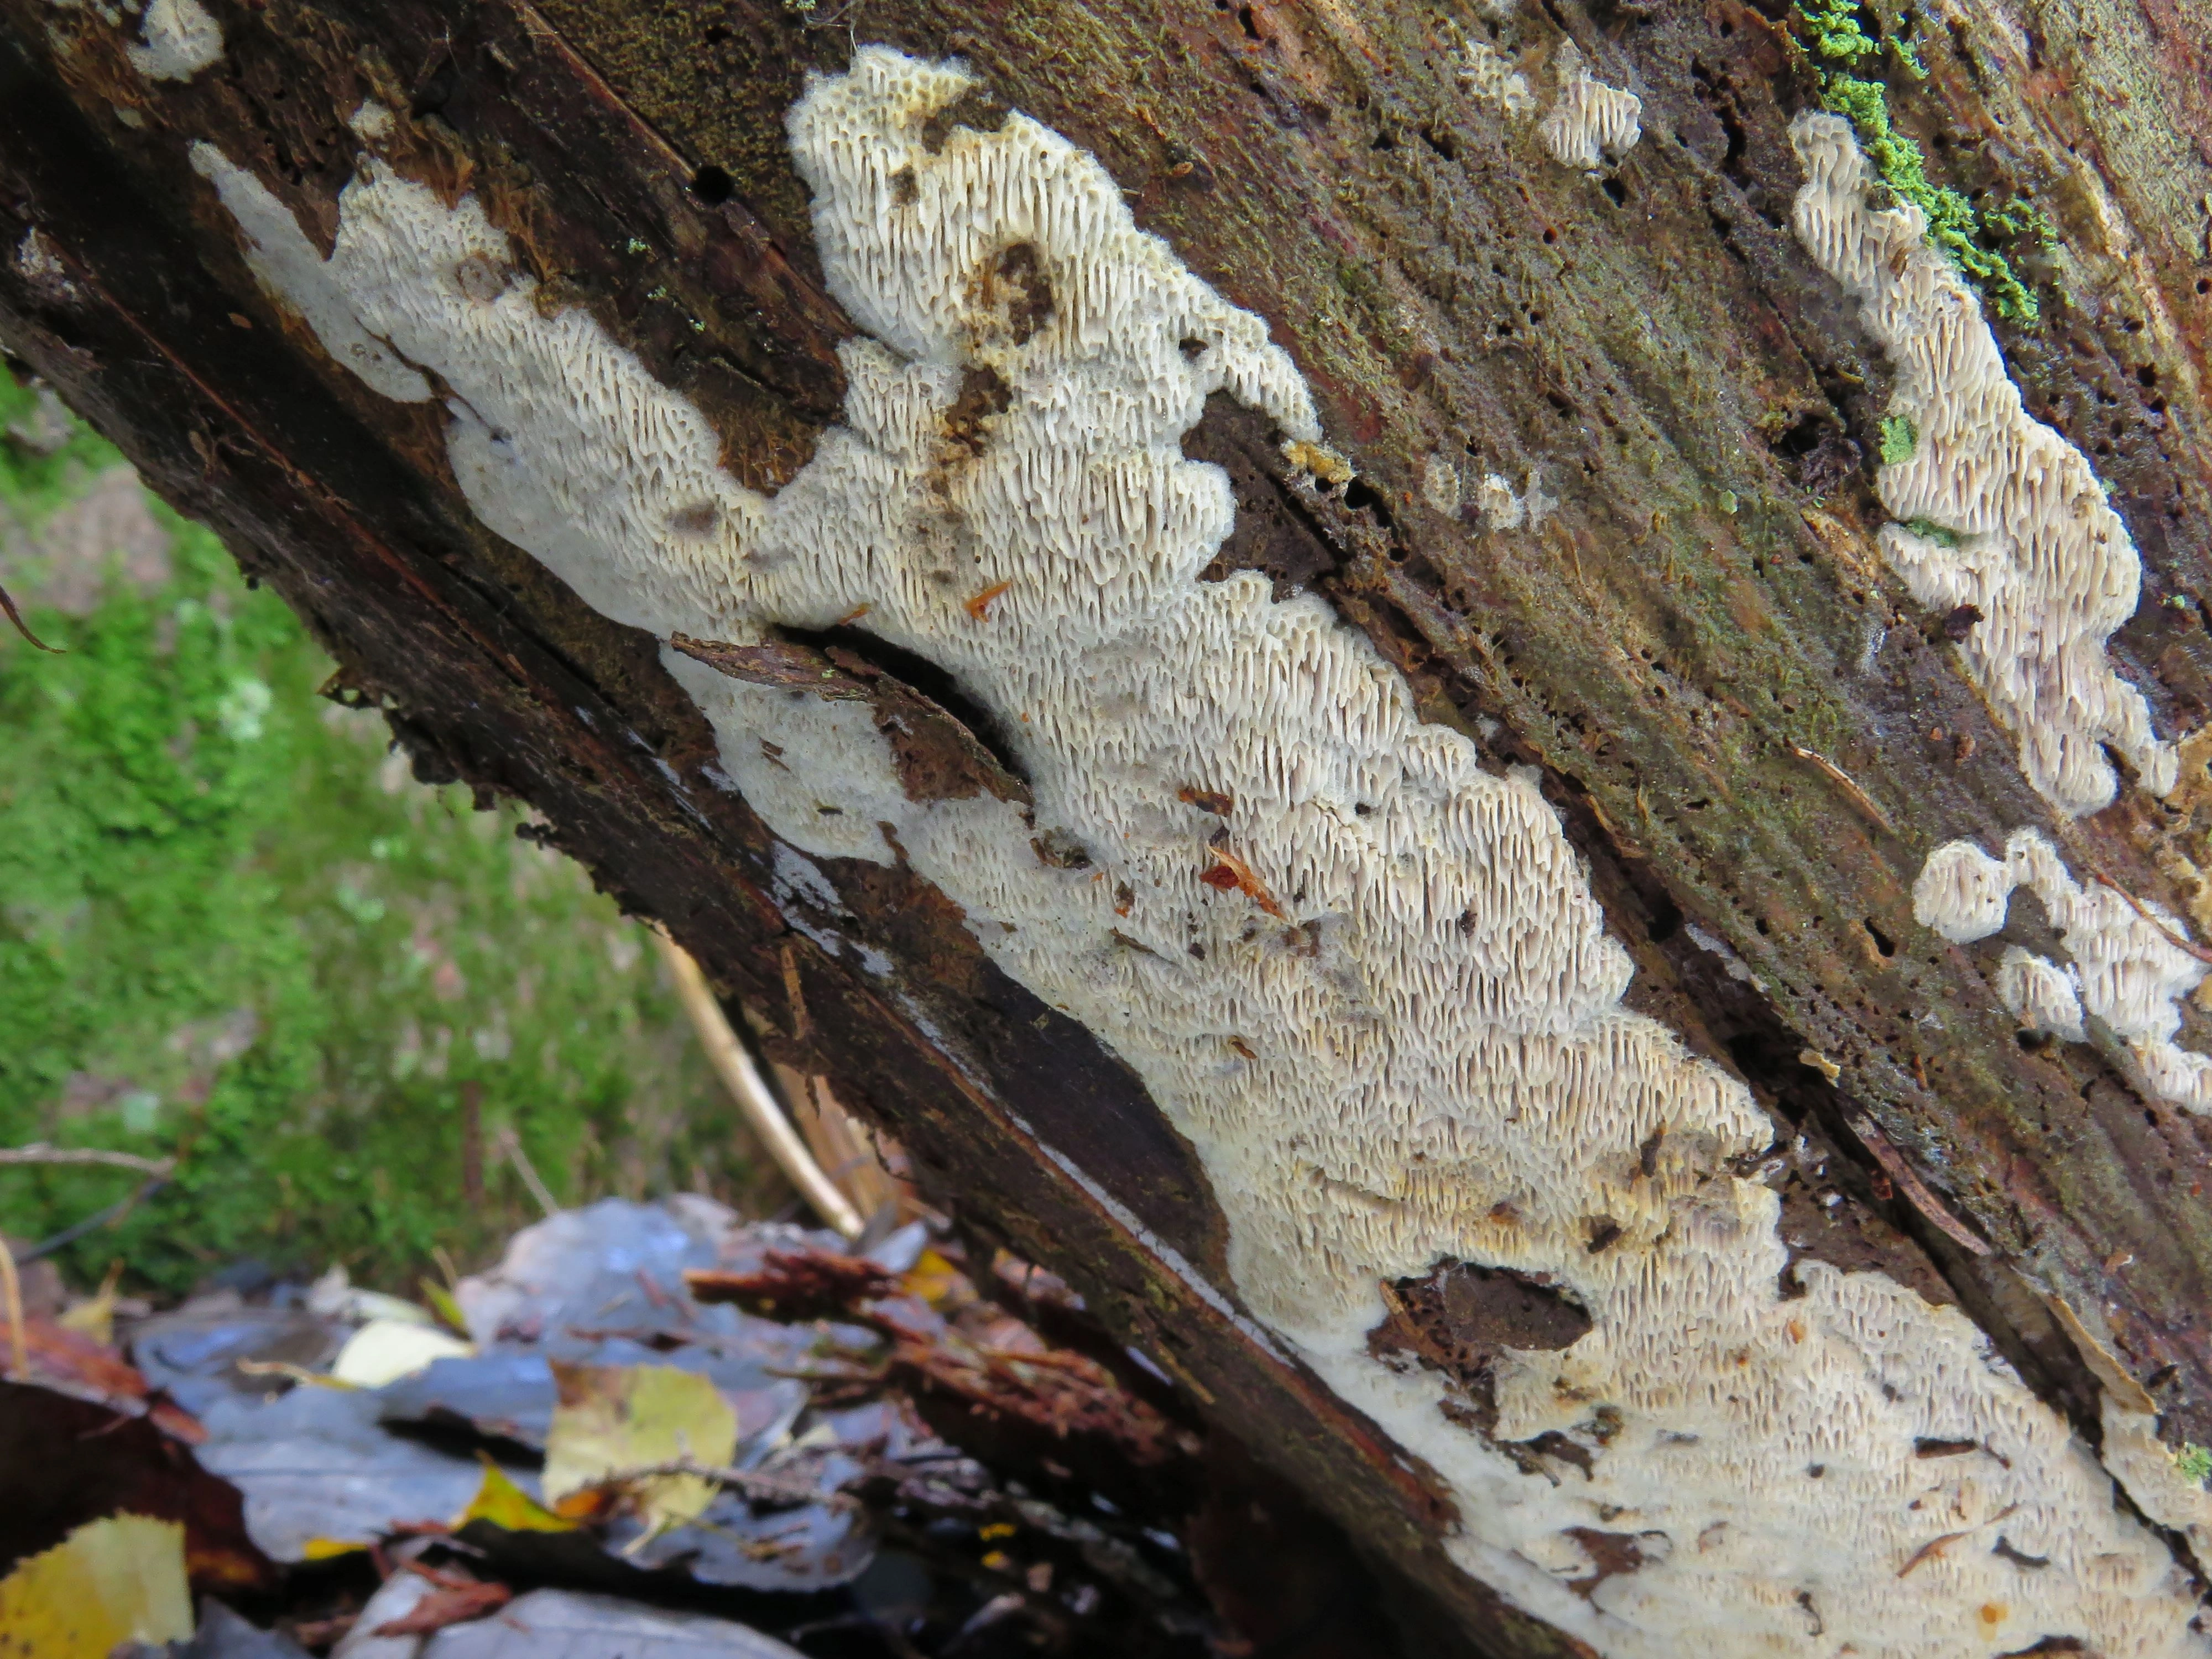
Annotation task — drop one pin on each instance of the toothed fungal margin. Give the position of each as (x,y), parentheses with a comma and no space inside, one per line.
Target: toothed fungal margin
(2032,542)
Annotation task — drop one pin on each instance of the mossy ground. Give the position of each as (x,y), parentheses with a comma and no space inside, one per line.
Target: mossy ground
(233,929)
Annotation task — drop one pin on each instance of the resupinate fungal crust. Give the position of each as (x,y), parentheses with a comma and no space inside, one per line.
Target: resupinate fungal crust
(1424,1056)
(1994,509)
(1588,120)
(2128,962)
(181,38)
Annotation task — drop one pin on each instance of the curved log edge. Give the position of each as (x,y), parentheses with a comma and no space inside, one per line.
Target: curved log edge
(1691,633)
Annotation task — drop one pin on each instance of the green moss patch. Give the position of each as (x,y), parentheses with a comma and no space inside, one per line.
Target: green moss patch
(234,930)
(1971,237)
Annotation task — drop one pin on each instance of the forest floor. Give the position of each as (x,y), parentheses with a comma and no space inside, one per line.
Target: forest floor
(236,933)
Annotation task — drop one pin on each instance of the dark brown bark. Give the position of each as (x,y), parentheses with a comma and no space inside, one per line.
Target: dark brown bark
(1735,708)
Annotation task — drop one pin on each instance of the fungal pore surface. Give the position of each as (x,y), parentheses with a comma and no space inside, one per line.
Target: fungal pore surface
(1994,509)
(1590,122)
(1363,974)
(2130,961)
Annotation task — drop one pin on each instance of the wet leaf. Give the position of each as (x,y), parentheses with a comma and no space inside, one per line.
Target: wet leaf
(194,1352)
(447,1604)
(507,1394)
(117,1461)
(502,1503)
(385,1349)
(223,1635)
(562,1625)
(611,1420)
(108,1583)
(316,1465)
(934,1280)
(443,1304)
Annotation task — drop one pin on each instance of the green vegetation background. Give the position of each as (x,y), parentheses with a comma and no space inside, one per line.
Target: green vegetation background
(235,929)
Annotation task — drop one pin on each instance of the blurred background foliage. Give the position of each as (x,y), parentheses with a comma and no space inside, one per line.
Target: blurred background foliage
(234,930)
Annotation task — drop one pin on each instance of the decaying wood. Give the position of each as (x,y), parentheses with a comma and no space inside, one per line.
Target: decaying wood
(1752,734)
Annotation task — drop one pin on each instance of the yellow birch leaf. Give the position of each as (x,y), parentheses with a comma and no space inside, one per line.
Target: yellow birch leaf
(443,1304)
(110,1582)
(501,1503)
(933,1278)
(611,1420)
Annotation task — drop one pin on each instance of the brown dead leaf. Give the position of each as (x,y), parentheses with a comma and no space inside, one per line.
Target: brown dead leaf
(449,1604)
(22,627)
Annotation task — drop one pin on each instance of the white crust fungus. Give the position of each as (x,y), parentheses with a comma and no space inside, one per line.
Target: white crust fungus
(1440,485)
(1590,122)
(39,263)
(372,123)
(1503,510)
(2020,529)
(2129,967)
(180,41)
(1488,73)
(2145,1465)
(2040,995)
(1961,892)
(292,270)
(1397,1037)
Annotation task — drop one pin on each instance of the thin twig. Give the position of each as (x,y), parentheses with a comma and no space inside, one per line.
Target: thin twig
(38,1152)
(1906,1176)
(2187,946)
(11,1285)
(22,627)
(1844,781)
(93,1223)
(512,1144)
(745,1480)
(1935,1547)
(734,1066)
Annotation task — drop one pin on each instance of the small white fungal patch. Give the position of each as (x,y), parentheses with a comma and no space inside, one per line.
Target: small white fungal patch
(1502,509)
(2127,968)
(1489,76)
(292,270)
(2145,1465)
(1440,485)
(1396,1038)
(372,123)
(1590,122)
(1731,964)
(2042,995)
(39,263)
(2038,552)
(180,39)
(1961,892)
